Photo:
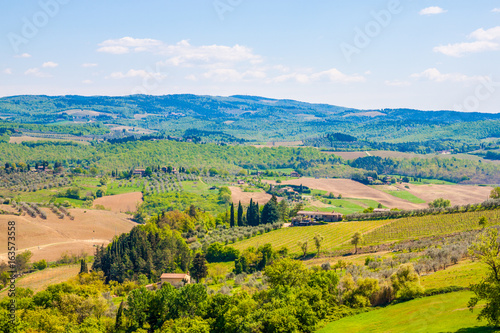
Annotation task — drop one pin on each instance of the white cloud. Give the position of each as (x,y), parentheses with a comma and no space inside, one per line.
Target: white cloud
(136,73)
(50,64)
(496,10)
(331,75)
(489,34)
(433,74)
(432,11)
(397,83)
(460,49)
(128,44)
(485,40)
(7,71)
(87,82)
(89,65)
(24,55)
(183,53)
(36,72)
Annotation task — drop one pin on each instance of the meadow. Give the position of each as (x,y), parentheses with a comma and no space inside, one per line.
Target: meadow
(439,313)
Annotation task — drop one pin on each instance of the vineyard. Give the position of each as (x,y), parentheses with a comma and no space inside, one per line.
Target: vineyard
(429,225)
(335,236)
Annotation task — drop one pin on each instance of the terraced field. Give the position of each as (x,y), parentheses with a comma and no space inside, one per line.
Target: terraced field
(336,235)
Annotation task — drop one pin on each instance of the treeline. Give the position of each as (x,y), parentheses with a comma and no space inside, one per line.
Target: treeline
(340,141)
(396,214)
(491,155)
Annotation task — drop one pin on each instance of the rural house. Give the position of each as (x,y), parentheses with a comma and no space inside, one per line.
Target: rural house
(175,279)
(320,216)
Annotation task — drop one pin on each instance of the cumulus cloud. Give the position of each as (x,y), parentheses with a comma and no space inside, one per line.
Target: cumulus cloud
(432,11)
(7,71)
(50,64)
(496,10)
(89,65)
(433,74)
(182,53)
(485,40)
(87,82)
(36,72)
(133,73)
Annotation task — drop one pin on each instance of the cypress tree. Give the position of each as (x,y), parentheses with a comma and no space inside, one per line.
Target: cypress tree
(231,217)
(270,213)
(240,214)
(250,214)
(83,267)
(119,319)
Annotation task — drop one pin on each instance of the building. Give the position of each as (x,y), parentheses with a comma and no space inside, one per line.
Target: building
(241,182)
(294,174)
(139,172)
(175,278)
(321,216)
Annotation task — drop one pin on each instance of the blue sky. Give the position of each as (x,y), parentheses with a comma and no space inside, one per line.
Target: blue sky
(430,55)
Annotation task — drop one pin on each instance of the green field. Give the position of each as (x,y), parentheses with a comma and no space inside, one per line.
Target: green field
(461,275)
(405,195)
(440,313)
(335,236)
(344,206)
(429,225)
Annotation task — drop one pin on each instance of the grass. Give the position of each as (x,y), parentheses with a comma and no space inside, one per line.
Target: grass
(440,224)
(196,187)
(335,236)
(462,275)
(440,313)
(405,195)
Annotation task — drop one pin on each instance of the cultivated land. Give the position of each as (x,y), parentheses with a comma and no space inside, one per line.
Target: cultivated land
(440,313)
(352,189)
(120,203)
(457,194)
(336,235)
(48,239)
(237,195)
(38,281)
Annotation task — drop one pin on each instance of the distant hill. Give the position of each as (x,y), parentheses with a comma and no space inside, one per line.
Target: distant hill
(248,117)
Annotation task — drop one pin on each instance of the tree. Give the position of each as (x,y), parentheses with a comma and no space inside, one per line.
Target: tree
(283,210)
(240,214)
(406,283)
(83,267)
(231,216)
(487,249)
(23,261)
(318,239)
(495,193)
(439,203)
(286,272)
(483,221)
(356,239)
(119,317)
(199,268)
(270,213)
(303,246)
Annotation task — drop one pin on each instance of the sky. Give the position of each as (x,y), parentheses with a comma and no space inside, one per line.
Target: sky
(367,54)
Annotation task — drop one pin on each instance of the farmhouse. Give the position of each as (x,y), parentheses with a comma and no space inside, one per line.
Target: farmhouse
(305,218)
(175,279)
(321,216)
(294,174)
(139,172)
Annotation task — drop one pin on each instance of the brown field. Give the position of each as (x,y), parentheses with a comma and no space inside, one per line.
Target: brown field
(120,203)
(457,194)
(48,239)
(38,281)
(238,195)
(351,189)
